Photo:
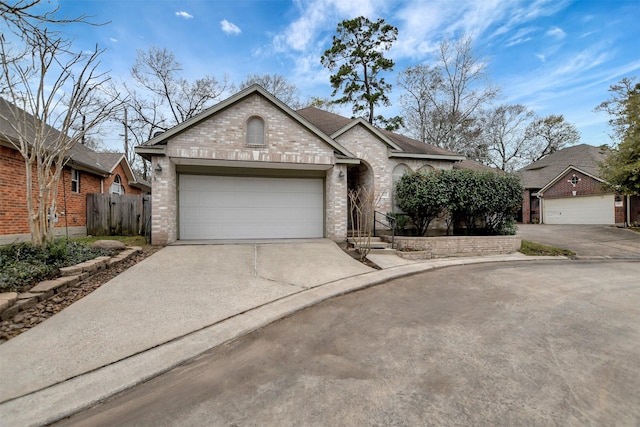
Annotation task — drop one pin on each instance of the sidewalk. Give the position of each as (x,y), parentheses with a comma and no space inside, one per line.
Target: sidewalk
(170,308)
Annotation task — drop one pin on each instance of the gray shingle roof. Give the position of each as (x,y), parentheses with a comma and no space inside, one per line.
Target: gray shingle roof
(80,155)
(329,123)
(585,157)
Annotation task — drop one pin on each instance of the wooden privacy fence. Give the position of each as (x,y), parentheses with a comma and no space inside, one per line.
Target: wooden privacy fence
(115,214)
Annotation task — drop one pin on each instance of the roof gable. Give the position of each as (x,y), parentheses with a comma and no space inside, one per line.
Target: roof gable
(563,174)
(583,157)
(400,145)
(254,89)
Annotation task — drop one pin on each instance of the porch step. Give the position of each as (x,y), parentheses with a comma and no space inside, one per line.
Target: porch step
(374,243)
(385,251)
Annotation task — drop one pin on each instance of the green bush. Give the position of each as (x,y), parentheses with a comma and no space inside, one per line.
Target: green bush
(485,202)
(22,264)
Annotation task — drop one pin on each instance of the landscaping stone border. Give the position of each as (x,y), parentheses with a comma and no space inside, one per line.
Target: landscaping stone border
(11,303)
(419,248)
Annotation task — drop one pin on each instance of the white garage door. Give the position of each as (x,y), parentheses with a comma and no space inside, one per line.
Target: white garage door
(580,210)
(229,207)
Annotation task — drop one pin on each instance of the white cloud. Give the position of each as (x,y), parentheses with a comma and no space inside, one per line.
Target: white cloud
(317,16)
(541,57)
(230,28)
(557,33)
(113,40)
(183,14)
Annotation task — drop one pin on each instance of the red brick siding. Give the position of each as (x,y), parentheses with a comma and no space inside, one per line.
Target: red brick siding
(119,170)
(526,207)
(13,195)
(587,186)
(635,210)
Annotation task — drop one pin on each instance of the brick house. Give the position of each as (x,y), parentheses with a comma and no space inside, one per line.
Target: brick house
(250,167)
(85,172)
(564,188)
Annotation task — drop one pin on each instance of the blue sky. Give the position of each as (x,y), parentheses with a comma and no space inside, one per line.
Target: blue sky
(554,56)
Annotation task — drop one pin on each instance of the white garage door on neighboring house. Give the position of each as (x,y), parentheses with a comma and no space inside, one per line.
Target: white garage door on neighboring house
(580,210)
(232,207)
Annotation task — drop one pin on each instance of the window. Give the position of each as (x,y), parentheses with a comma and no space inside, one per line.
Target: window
(255,131)
(75,180)
(116,185)
(398,171)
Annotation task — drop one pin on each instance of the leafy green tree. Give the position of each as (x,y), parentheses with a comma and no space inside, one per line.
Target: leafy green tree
(621,169)
(357,53)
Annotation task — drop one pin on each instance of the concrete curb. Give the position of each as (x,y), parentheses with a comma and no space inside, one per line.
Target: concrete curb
(81,392)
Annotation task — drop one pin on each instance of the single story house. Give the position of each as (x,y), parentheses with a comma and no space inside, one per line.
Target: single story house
(565,188)
(250,167)
(85,172)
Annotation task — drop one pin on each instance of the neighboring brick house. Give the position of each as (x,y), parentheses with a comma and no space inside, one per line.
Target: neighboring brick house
(86,172)
(564,188)
(251,167)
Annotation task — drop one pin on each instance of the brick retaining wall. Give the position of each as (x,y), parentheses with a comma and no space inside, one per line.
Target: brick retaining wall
(455,246)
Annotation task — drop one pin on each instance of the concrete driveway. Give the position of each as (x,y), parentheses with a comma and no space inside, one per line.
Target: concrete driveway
(176,291)
(520,344)
(589,241)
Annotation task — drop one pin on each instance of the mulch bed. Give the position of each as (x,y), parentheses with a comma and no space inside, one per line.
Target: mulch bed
(31,317)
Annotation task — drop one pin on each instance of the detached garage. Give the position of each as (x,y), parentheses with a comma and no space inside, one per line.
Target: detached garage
(580,210)
(239,207)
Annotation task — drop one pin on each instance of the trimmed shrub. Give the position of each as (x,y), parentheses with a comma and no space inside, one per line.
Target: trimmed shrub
(485,202)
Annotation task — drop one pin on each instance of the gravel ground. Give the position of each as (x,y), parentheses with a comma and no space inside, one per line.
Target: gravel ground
(42,311)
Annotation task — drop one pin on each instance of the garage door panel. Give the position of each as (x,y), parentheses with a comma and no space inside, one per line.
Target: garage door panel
(580,210)
(216,207)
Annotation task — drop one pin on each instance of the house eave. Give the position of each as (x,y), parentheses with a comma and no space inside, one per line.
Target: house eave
(163,137)
(187,161)
(146,151)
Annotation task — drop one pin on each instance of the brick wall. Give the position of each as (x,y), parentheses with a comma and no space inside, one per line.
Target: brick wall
(367,147)
(455,246)
(586,186)
(119,170)
(223,137)
(13,199)
(635,210)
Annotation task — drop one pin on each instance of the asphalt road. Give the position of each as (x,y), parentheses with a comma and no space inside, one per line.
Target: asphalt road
(532,343)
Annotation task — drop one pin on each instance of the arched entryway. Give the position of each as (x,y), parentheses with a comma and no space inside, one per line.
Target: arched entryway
(358,176)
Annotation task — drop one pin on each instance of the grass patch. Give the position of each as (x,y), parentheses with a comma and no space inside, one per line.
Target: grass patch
(23,265)
(538,249)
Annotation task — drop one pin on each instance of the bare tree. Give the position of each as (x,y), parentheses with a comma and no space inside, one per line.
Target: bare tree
(23,21)
(160,98)
(171,98)
(362,202)
(549,134)
(278,86)
(504,133)
(441,103)
(48,88)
